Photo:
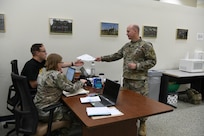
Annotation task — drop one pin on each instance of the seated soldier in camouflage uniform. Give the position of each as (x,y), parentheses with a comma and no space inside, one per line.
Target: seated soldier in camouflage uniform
(51,83)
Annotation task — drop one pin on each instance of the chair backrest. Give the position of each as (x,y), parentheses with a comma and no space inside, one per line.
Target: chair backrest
(14,66)
(13,95)
(26,113)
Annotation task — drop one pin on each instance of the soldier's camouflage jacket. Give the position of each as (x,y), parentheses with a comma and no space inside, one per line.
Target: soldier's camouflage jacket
(140,52)
(50,87)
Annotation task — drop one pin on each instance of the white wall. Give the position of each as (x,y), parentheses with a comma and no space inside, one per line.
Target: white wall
(27,23)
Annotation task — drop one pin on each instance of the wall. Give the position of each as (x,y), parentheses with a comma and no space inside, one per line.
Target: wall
(200,4)
(27,23)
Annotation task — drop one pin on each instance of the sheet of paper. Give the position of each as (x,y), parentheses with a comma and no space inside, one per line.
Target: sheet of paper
(86,57)
(114,112)
(90,99)
(80,91)
(97,111)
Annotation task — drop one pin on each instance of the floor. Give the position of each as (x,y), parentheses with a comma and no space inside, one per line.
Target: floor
(3,131)
(186,120)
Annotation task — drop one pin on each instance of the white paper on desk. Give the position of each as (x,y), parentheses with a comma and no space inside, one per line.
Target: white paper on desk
(80,91)
(90,99)
(86,57)
(97,111)
(114,112)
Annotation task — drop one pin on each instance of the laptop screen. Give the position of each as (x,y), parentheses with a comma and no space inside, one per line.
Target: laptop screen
(111,90)
(70,73)
(83,71)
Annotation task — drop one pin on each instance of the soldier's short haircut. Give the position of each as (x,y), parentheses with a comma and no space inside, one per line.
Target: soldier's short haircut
(35,47)
(136,27)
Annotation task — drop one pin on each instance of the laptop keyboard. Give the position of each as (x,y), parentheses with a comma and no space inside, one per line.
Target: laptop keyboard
(104,101)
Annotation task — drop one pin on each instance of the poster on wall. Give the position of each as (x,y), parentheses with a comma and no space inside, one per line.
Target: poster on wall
(60,26)
(109,29)
(150,31)
(2,23)
(182,34)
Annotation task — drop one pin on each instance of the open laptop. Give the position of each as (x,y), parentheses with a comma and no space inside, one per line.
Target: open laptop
(70,74)
(109,96)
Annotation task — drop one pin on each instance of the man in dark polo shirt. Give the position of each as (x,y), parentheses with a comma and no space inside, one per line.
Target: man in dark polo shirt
(32,67)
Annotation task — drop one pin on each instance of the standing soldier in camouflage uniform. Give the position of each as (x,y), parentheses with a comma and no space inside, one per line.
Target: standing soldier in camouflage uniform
(51,83)
(139,56)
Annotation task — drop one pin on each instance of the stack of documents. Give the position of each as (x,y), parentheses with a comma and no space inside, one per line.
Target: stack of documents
(90,99)
(97,111)
(80,91)
(103,112)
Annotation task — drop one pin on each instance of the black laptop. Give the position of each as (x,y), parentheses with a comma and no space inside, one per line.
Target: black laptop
(70,74)
(109,96)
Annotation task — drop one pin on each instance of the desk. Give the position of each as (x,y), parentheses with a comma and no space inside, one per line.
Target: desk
(133,106)
(195,79)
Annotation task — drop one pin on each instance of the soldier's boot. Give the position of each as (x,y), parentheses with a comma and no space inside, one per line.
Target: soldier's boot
(142,129)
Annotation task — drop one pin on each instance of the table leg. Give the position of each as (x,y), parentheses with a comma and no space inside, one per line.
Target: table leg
(164,89)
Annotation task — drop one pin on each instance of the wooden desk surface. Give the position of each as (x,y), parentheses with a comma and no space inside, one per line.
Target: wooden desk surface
(133,106)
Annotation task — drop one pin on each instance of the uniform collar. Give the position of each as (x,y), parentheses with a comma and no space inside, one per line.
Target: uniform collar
(137,40)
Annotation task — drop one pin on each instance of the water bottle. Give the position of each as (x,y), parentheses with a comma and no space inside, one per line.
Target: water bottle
(92,69)
(102,76)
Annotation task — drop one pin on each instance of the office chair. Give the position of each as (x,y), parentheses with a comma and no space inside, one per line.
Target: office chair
(13,96)
(26,113)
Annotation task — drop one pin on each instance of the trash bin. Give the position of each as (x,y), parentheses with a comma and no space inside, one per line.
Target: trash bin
(154,80)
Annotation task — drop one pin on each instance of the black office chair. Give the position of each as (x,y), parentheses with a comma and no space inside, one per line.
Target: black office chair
(26,113)
(13,97)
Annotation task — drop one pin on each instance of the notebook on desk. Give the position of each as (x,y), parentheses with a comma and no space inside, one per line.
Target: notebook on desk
(70,74)
(109,96)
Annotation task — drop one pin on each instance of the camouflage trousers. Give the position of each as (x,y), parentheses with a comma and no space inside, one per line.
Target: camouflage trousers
(60,113)
(138,86)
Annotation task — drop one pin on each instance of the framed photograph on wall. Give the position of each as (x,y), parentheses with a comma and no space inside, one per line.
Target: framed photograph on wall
(2,23)
(182,34)
(109,29)
(150,31)
(60,26)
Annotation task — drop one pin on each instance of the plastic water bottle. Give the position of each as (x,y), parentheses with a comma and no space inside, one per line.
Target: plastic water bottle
(92,69)
(102,76)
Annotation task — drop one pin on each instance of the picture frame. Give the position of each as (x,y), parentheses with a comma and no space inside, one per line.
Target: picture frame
(2,23)
(109,29)
(60,26)
(182,34)
(150,31)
